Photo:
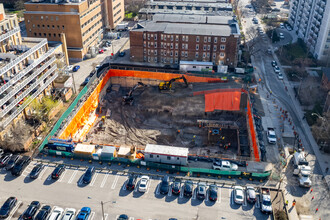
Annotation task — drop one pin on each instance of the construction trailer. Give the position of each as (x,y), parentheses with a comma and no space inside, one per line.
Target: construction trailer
(166,154)
(196,66)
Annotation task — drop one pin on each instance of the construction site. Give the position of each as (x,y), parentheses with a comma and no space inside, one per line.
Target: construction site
(209,116)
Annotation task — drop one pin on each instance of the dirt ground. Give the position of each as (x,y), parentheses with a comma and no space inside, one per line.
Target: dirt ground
(156,118)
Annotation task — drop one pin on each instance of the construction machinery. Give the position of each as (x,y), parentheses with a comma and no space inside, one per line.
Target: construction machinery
(167,85)
(128,98)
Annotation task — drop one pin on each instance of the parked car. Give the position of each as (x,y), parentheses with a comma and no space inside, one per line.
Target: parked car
(4,159)
(130,185)
(58,171)
(276,10)
(238,195)
(288,27)
(213,192)
(251,194)
(75,68)
(122,54)
(122,217)
(20,165)
(101,51)
(176,186)
(280,75)
(43,213)
(12,161)
(164,185)
(36,170)
(225,165)
(188,188)
(89,175)
(201,190)
(56,213)
(143,186)
(281,36)
(274,63)
(7,207)
(31,210)
(277,69)
(84,213)
(281,25)
(69,214)
(86,81)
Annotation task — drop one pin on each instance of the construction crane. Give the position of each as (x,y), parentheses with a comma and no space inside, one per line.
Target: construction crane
(128,98)
(167,85)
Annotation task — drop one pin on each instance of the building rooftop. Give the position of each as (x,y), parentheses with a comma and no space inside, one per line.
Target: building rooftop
(182,24)
(186,12)
(192,4)
(166,150)
(60,2)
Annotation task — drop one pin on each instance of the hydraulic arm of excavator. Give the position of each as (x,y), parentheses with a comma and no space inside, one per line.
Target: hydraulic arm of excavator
(128,98)
(168,84)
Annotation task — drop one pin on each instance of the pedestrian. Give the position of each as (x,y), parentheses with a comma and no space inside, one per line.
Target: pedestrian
(293,203)
(286,202)
(303,117)
(326,170)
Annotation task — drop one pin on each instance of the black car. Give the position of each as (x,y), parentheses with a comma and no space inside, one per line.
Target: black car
(13,159)
(122,54)
(31,210)
(130,185)
(176,186)
(36,171)
(43,213)
(164,185)
(4,159)
(88,175)
(188,188)
(213,192)
(58,171)
(122,217)
(274,63)
(20,165)
(7,207)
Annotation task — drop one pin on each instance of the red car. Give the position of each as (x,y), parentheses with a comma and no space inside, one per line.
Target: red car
(101,51)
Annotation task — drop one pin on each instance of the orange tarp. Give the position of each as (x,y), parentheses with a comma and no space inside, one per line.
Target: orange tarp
(228,101)
(253,133)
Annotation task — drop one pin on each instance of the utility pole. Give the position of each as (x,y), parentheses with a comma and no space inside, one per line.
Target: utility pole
(103,217)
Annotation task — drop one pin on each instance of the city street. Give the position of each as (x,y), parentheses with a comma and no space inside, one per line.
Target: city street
(110,188)
(275,94)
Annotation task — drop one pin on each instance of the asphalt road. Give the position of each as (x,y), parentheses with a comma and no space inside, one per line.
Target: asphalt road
(69,192)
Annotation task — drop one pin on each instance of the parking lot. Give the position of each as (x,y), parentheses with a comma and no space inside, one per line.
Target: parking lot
(109,187)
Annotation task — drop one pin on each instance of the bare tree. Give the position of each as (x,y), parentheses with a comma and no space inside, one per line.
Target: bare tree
(251,41)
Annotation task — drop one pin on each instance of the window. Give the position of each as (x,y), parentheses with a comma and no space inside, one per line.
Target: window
(186,54)
(208,47)
(144,44)
(196,55)
(205,39)
(155,44)
(155,59)
(148,44)
(161,52)
(47,26)
(204,47)
(144,36)
(38,26)
(215,40)
(222,54)
(157,156)
(54,35)
(197,38)
(161,37)
(53,26)
(149,59)
(45,35)
(149,52)
(144,51)
(63,27)
(161,45)
(214,56)
(197,46)
(56,18)
(204,55)
(222,47)
(186,46)
(223,39)
(209,39)
(182,53)
(176,53)
(208,55)
(155,37)
(46,17)
(176,60)
(183,38)
(176,37)
(182,46)
(215,48)
(171,54)
(171,45)
(171,37)
(35,34)
(187,38)
(33,25)
(41,17)
(176,46)
(168,157)
(155,53)
(151,156)
(148,36)
(178,158)
(164,37)
(43,26)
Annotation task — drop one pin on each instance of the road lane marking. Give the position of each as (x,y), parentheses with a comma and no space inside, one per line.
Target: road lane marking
(60,180)
(124,186)
(73,176)
(104,180)
(115,182)
(49,177)
(131,218)
(207,196)
(148,185)
(181,192)
(94,178)
(14,210)
(157,190)
(42,172)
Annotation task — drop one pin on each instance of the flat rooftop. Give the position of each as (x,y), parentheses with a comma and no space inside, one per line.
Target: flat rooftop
(56,2)
(192,4)
(186,12)
(182,24)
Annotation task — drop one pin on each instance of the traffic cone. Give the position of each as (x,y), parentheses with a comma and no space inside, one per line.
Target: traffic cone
(317,209)
(311,190)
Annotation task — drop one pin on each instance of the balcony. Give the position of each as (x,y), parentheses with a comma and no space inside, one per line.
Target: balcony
(19,87)
(9,33)
(26,70)
(23,56)
(28,101)
(26,92)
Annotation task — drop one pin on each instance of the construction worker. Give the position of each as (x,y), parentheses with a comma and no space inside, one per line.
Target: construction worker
(293,203)
(286,202)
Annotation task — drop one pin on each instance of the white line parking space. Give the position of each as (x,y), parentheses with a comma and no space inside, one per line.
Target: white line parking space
(42,173)
(230,196)
(73,176)
(18,204)
(62,176)
(91,217)
(148,186)
(115,182)
(104,180)
(181,192)
(219,197)
(94,178)
(157,190)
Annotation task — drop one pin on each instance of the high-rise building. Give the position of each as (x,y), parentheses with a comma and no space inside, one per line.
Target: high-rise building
(170,38)
(311,21)
(27,70)
(79,20)
(113,12)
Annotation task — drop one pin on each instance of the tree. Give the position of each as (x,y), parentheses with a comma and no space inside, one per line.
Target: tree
(19,5)
(251,43)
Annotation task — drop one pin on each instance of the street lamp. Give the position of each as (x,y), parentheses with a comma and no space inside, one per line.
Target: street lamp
(319,116)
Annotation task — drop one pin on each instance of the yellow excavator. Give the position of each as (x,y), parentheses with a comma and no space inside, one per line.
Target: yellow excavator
(167,85)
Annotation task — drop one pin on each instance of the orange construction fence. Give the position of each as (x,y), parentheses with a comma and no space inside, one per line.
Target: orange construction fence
(253,133)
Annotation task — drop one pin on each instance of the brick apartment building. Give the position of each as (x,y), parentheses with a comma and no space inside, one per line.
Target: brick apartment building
(169,39)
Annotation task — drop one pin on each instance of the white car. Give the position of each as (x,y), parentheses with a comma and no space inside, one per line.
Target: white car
(225,165)
(281,36)
(277,69)
(69,214)
(281,25)
(238,195)
(280,75)
(56,213)
(143,186)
